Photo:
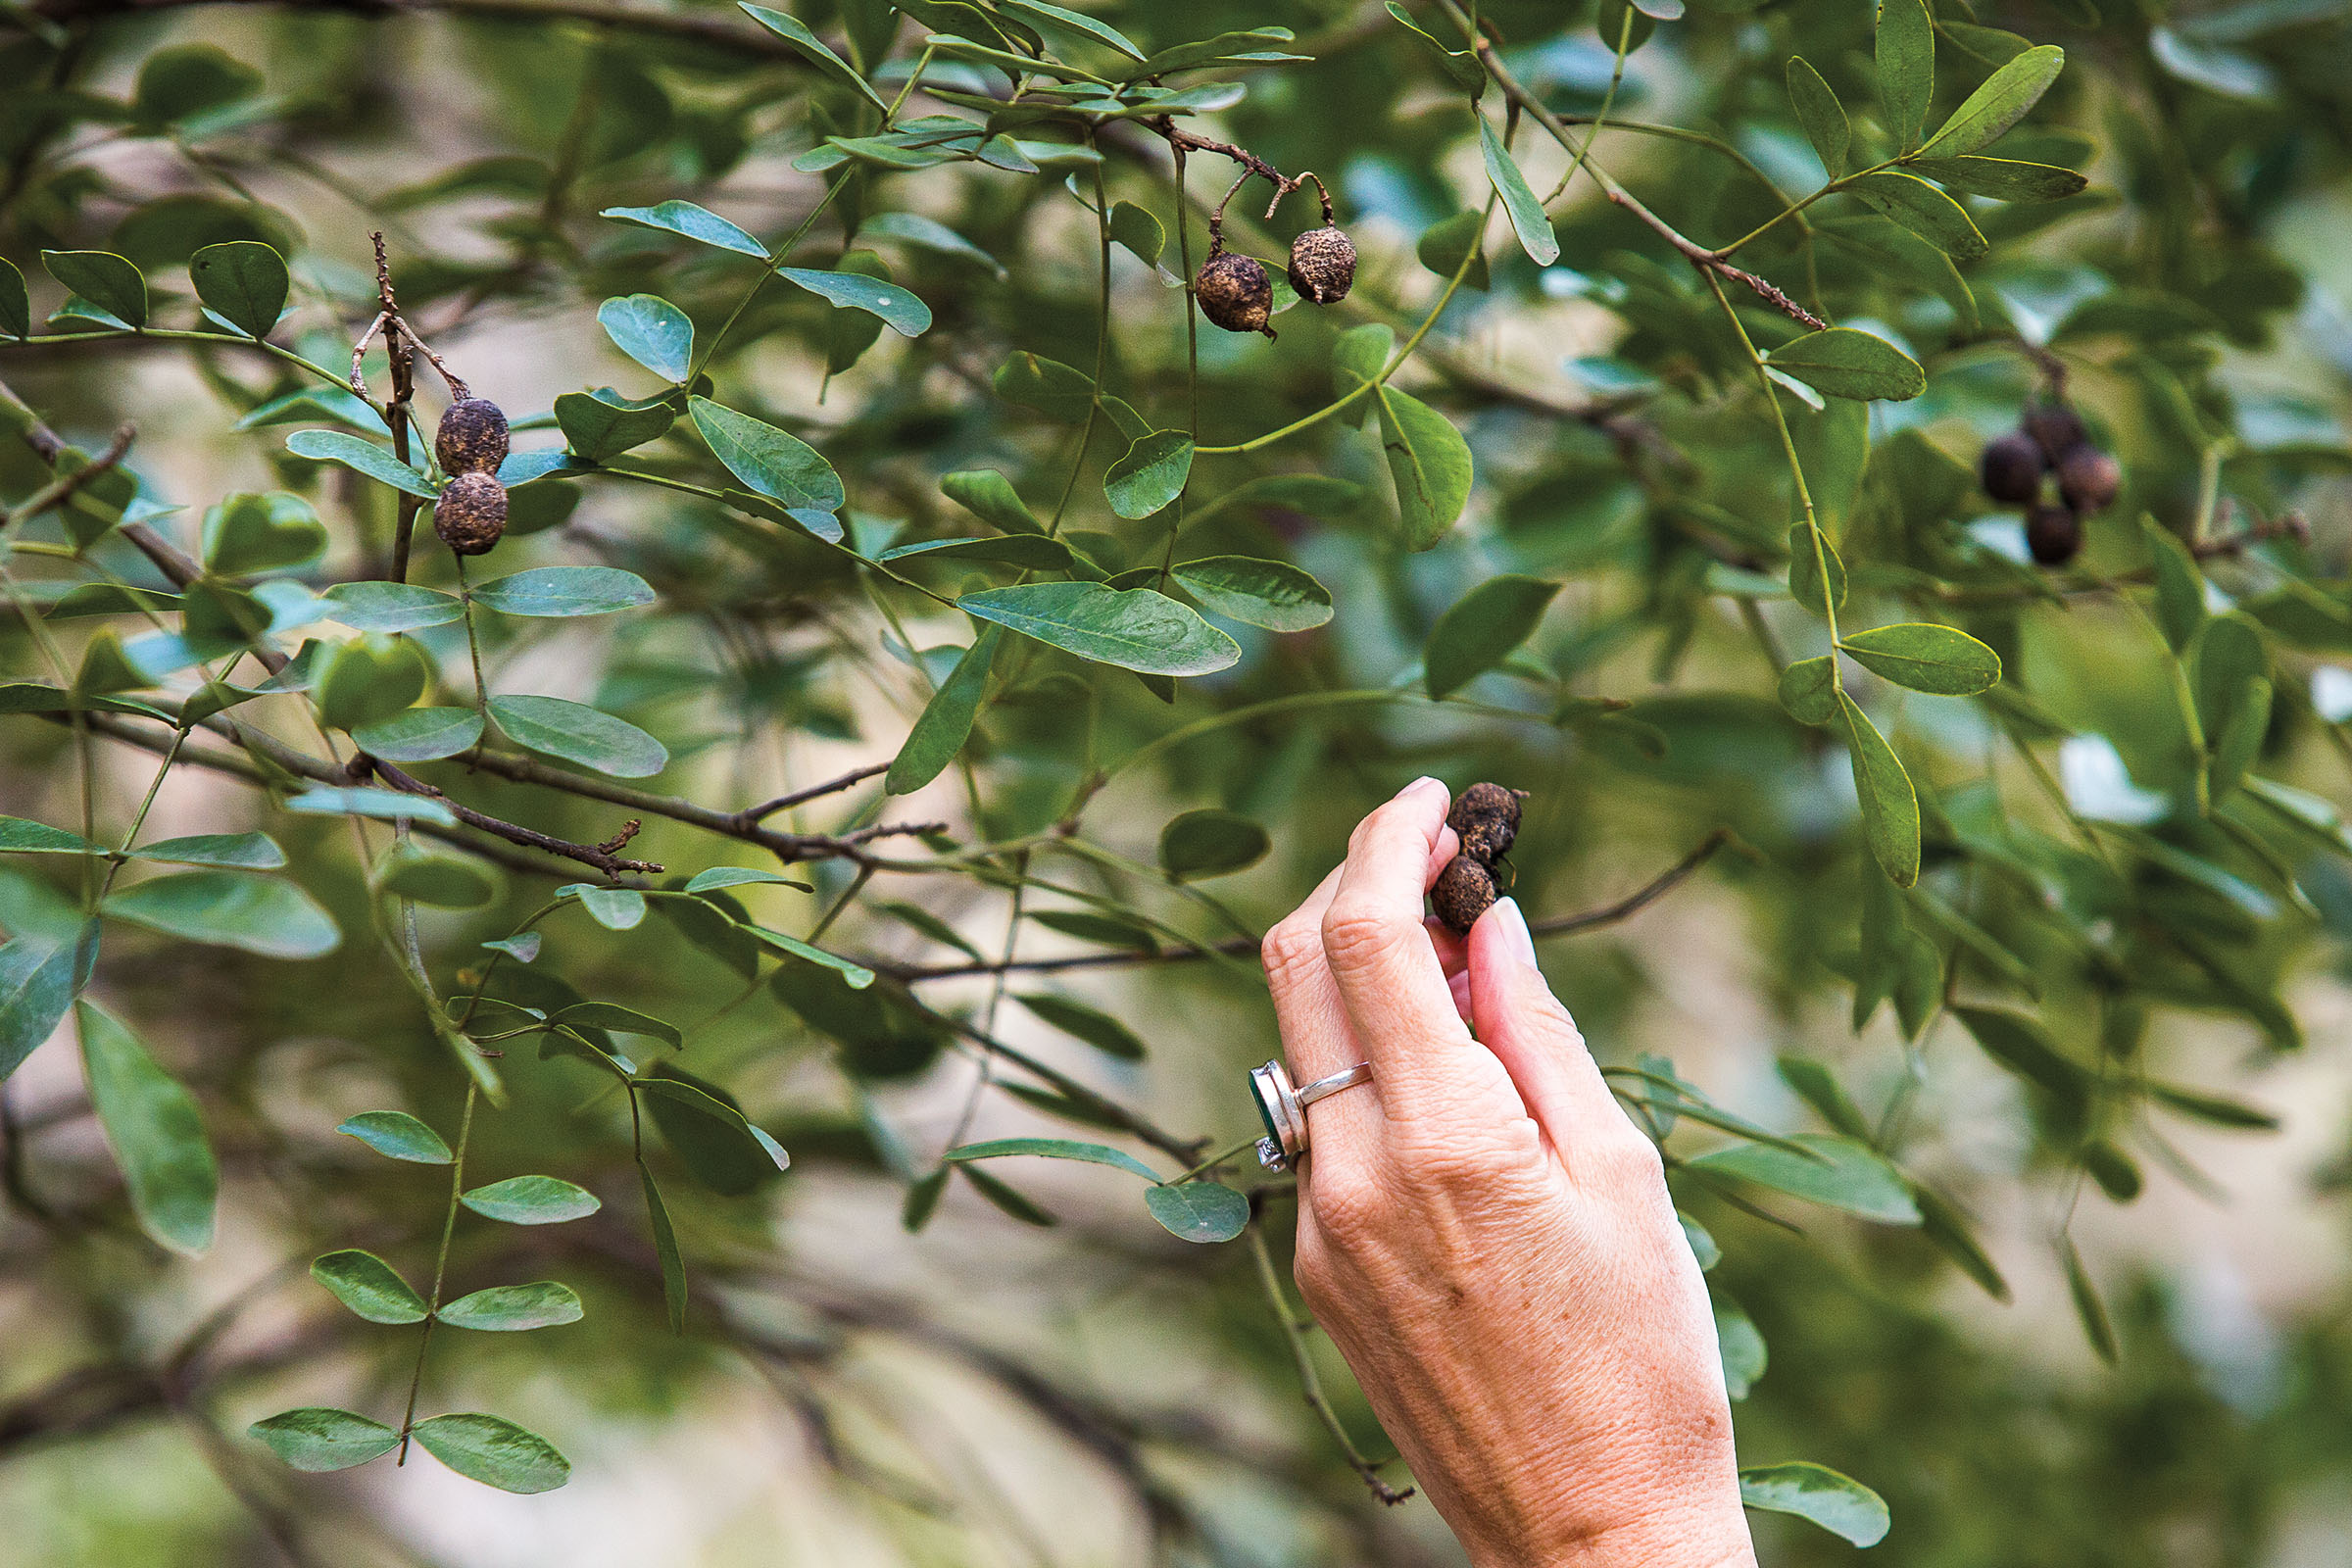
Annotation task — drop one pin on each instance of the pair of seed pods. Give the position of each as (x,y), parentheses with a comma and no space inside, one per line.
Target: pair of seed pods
(1236,294)
(471,441)
(1485,819)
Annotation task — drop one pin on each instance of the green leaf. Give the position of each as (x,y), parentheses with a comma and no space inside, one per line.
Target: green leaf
(580,734)
(665,1250)
(856,976)
(613,908)
(247,533)
(1273,593)
(693,223)
(1821,115)
(945,721)
(783,468)
(1481,628)
(361,456)
(1137,229)
(103,278)
(612,1016)
(435,878)
(1009,1200)
(2007,96)
(708,1135)
(421,734)
(531,1200)
(651,330)
(1808,690)
(397,1135)
(603,424)
(2219,1109)
(2224,658)
(1926,658)
(16,306)
(1889,805)
(1847,363)
(153,1126)
(391,805)
(1150,474)
(558,591)
(495,1453)
(2180,585)
(1447,242)
(2019,1043)
(1463,65)
(912,228)
(1942,1223)
(1210,843)
(1847,1175)
(1049,386)
(1741,1347)
(1138,629)
(1906,56)
(1840,1504)
(1915,205)
(243,852)
(514,1309)
(1053,1149)
(369,1285)
(241,281)
(19,836)
(1428,458)
(370,679)
(812,49)
(898,310)
(989,496)
(1818,1087)
(1526,213)
(318,1439)
(735,876)
(391,606)
(2004,180)
(1031,552)
(1096,1028)
(38,981)
(2097,1327)
(231,910)
(1199,1211)
(1053,19)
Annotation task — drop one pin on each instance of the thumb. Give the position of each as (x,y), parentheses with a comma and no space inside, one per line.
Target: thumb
(1515,1016)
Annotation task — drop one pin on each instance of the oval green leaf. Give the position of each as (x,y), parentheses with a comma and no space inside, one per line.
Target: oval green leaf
(1481,628)
(397,1135)
(1836,1172)
(231,910)
(651,330)
(495,1453)
(532,1201)
(243,282)
(1210,843)
(369,1285)
(1199,1211)
(1150,474)
(578,733)
(514,1309)
(1889,805)
(318,1439)
(560,591)
(152,1125)
(1139,629)
(781,467)
(900,311)
(1273,593)
(360,456)
(1847,363)
(1840,1504)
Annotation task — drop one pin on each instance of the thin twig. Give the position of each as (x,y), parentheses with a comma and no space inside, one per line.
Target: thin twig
(63,489)
(831,786)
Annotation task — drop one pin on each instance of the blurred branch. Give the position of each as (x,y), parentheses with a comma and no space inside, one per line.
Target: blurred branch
(1631,905)
(61,489)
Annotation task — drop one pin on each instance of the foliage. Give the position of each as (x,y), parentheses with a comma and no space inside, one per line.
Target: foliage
(920,465)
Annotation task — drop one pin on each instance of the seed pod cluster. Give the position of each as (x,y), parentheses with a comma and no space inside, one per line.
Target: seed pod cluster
(1237,294)
(1485,819)
(2050,440)
(471,441)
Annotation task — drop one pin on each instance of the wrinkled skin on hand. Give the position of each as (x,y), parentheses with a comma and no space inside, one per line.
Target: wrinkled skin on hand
(1486,1236)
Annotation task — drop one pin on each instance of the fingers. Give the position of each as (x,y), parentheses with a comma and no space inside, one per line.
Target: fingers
(1315,1037)
(1520,1020)
(1388,974)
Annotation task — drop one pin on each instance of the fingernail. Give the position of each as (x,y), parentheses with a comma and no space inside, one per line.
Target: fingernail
(1522,942)
(1425,782)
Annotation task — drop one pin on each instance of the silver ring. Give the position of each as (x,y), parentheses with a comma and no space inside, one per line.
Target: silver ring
(1283,1109)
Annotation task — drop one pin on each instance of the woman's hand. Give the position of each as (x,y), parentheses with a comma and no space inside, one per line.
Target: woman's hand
(1487,1238)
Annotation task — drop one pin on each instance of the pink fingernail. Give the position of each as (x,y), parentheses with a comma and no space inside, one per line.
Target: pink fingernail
(1507,916)
(1422,783)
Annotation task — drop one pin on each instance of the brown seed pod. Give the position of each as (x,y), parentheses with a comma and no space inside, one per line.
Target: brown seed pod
(472,437)
(1486,818)
(2053,533)
(1322,265)
(2088,479)
(1464,891)
(2011,468)
(472,513)
(2056,428)
(1234,293)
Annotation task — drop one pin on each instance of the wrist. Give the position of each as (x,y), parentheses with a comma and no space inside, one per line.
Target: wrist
(1718,1541)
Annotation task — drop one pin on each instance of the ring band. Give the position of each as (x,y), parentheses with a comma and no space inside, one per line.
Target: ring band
(1283,1109)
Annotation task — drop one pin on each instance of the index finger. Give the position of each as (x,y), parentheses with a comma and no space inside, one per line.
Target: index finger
(1387,973)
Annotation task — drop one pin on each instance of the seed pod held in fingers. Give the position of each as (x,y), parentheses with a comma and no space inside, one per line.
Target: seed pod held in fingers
(1234,293)
(472,437)
(1322,265)
(1464,891)
(2055,427)
(2088,479)
(1486,818)
(2053,533)
(2011,468)
(472,513)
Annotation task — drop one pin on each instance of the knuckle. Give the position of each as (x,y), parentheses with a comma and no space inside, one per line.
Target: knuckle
(1289,951)
(1358,933)
(1631,1160)
(1347,1205)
